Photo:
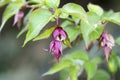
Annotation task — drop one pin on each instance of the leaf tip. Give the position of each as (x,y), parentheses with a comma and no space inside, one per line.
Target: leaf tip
(24,43)
(35,39)
(2,25)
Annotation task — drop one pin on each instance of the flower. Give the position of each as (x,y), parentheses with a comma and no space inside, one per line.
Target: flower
(107,41)
(59,34)
(56,48)
(18,17)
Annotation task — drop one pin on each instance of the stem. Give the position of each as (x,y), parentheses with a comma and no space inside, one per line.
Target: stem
(57,20)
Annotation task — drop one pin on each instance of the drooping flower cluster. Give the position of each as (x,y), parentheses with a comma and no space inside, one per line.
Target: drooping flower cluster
(56,45)
(107,41)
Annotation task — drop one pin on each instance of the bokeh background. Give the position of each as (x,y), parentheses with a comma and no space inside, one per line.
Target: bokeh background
(30,62)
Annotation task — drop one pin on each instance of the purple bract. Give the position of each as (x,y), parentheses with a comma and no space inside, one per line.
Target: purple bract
(59,34)
(107,41)
(56,48)
(18,17)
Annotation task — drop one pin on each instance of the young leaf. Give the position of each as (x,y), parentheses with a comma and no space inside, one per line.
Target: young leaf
(52,3)
(60,66)
(95,8)
(11,9)
(45,34)
(37,20)
(90,68)
(114,18)
(75,10)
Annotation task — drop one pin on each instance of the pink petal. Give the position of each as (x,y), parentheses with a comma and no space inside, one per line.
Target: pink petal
(18,17)
(107,52)
(51,46)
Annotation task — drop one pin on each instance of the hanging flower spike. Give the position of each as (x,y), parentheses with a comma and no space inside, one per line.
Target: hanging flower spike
(59,34)
(56,48)
(107,41)
(18,17)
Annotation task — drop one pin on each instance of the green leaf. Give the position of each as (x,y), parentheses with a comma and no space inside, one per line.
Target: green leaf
(52,3)
(96,60)
(66,23)
(63,15)
(76,20)
(75,10)
(58,67)
(45,34)
(107,13)
(90,68)
(91,30)
(73,72)
(36,1)
(4,2)
(96,9)
(113,17)
(64,74)
(77,55)
(118,61)
(96,33)
(72,31)
(118,40)
(11,10)
(113,63)
(37,21)
(101,75)
(67,42)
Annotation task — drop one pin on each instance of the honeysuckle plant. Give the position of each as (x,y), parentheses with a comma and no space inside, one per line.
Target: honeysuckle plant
(77,26)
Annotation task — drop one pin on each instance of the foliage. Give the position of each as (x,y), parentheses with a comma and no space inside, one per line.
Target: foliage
(77,23)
